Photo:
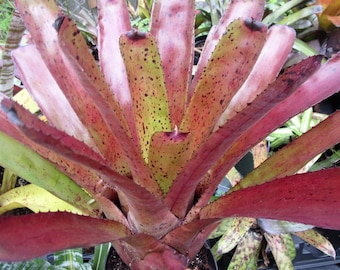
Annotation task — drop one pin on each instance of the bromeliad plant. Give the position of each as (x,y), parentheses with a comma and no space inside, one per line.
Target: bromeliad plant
(139,147)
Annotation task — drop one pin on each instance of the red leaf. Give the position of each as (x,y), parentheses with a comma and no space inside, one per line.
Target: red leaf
(146,252)
(310,198)
(29,236)
(183,237)
(294,156)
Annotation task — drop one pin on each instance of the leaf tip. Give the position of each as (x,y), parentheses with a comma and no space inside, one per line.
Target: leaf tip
(135,34)
(58,22)
(254,25)
(7,107)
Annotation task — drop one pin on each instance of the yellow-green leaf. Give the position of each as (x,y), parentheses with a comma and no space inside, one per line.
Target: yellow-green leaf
(24,99)
(281,247)
(168,153)
(247,252)
(232,231)
(317,240)
(35,198)
(146,80)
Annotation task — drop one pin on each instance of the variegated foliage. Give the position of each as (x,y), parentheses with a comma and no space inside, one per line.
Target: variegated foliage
(139,147)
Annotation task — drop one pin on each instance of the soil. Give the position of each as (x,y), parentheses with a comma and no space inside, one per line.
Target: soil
(201,261)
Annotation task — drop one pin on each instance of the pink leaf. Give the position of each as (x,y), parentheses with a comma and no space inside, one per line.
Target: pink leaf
(42,19)
(111,61)
(176,50)
(46,92)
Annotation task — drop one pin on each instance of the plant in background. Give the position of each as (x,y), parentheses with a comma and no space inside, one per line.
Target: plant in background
(330,16)
(138,148)
(294,127)
(7,9)
(140,12)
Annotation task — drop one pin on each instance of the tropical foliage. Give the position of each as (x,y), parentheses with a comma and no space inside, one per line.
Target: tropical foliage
(138,147)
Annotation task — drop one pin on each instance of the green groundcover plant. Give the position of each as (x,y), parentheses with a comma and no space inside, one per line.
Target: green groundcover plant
(139,147)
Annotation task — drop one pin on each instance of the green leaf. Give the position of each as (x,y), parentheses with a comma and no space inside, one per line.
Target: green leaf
(271,18)
(38,263)
(100,256)
(167,156)
(302,13)
(71,259)
(303,47)
(35,169)
(8,181)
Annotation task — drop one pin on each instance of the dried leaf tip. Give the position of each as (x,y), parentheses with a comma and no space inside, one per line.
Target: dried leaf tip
(255,25)
(135,34)
(7,107)
(58,22)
